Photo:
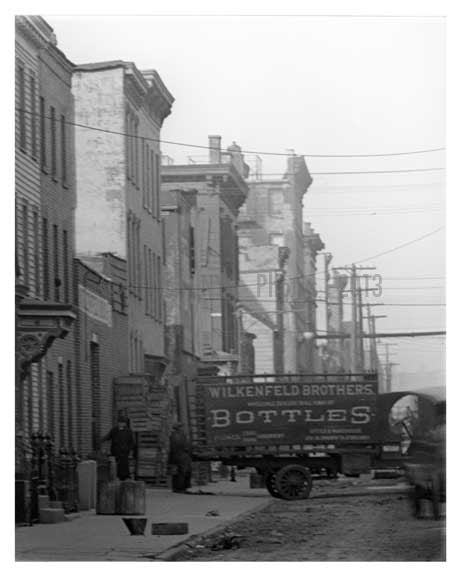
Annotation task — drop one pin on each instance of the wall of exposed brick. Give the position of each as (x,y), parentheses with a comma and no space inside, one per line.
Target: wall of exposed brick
(110,335)
(115,194)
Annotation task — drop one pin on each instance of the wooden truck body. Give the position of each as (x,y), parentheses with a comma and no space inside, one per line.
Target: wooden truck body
(290,426)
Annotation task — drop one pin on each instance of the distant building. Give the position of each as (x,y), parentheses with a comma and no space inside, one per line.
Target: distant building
(179,211)
(276,206)
(221,191)
(118,191)
(262,302)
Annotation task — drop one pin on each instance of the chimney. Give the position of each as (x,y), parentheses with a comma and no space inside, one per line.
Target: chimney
(214,144)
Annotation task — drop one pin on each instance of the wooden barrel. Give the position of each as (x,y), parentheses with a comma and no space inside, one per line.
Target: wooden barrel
(132,498)
(108,497)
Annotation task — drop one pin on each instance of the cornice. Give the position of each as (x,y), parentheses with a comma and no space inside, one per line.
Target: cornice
(32,31)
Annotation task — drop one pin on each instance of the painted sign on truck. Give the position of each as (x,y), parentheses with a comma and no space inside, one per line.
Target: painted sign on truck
(239,414)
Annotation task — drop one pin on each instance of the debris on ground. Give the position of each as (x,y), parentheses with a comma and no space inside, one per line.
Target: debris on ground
(212,513)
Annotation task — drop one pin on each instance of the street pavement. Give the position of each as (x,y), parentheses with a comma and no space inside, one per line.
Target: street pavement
(90,537)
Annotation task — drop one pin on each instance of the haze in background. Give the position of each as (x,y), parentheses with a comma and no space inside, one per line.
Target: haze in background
(319,86)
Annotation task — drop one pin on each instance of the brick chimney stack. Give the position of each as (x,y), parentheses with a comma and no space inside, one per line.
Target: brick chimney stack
(214,144)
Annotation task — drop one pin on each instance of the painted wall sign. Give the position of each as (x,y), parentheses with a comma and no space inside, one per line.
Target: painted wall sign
(299,413)
(95,306)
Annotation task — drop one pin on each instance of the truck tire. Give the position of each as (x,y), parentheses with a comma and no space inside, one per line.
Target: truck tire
(293,482)
(270,485)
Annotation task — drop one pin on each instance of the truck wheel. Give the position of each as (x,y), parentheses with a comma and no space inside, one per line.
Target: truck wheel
(270,485)
(293,482)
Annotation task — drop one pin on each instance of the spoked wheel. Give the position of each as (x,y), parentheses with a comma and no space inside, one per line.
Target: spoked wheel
(270,485)
(293,482)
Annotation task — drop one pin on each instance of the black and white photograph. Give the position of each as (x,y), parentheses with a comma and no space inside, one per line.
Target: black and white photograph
(230,286)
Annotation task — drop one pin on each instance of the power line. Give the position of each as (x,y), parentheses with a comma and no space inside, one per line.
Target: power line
(400,245)
(257,152)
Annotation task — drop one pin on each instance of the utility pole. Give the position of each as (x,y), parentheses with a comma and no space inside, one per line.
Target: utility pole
(356,317)
(360,325)
(326,259)
(354,362)
(372,331)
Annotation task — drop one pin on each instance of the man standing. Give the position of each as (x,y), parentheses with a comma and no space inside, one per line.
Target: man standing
(122,443)
(180,459)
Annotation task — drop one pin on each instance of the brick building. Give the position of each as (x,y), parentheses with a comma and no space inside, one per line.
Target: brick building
(118,191)
(221,191)
(100,354)
(179,211)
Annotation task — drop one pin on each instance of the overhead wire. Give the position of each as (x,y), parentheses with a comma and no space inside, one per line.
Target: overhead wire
(256,152)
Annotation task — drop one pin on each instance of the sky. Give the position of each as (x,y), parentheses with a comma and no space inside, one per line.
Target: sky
(318,86)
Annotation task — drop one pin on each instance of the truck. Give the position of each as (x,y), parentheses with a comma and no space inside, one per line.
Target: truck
(289,427)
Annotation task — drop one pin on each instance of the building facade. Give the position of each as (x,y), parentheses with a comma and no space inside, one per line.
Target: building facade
(57,182)
(118,190)
(313,244)
(277,208)
(44,194)
(221,191)
(179,211)
(101,354)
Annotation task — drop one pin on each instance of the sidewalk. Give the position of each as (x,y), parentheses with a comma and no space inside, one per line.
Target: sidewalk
(91,537)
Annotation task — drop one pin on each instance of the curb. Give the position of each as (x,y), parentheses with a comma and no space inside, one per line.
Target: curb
(170,554)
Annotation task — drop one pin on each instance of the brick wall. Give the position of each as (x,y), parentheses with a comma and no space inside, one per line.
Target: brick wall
(101,351)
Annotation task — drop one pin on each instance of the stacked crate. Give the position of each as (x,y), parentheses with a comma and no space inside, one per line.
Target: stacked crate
(153,444)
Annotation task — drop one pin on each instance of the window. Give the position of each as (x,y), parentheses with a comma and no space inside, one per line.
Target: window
(42,134)
(95,395)
(144,153)
(65,273)
(276,239)
(128,145)
(62,427)
(63,151)
(53,141)
(155,286)
(157,185)
(36,254)
(56,279)
(22,108)
(146,281)
(191,250)
(152,185)
(151,283)
(160,296)
(33,118)
(25,245)
(46,260)
(50,405)
(70,404)
(136,154)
